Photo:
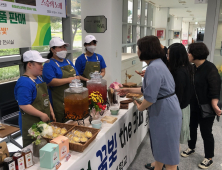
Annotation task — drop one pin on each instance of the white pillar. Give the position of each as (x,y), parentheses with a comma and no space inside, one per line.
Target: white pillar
(213,10)
(109,43)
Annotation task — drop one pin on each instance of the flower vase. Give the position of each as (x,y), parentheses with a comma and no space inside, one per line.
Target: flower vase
(36,148)
(94,114)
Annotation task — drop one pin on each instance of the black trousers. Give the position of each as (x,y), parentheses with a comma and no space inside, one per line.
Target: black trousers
(206,125)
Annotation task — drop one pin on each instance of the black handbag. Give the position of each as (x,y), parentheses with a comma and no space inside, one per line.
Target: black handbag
(206,109)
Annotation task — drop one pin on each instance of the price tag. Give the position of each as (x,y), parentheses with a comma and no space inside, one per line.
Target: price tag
(57,165)
(68,156)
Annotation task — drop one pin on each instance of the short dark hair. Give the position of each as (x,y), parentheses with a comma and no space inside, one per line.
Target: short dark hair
(199,51)
(90,42)
(25,63)
(150,48)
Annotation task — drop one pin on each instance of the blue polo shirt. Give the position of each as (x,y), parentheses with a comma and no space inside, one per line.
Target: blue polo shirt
(51,71)
(81,62)
(25,93)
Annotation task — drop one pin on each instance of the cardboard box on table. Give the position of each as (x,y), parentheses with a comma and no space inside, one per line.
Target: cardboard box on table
(3,151)
(63,143)
(49,155)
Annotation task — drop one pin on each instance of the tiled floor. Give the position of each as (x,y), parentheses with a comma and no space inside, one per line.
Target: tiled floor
(144,154)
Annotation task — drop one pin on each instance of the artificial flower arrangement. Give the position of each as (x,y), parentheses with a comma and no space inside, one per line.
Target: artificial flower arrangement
(95,101)
(38,130)
(115,85)
(113,99)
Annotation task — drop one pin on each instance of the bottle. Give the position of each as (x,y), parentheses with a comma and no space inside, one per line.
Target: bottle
(28,157)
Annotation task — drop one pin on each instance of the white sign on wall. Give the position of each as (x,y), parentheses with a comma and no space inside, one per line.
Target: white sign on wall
(201,1)
(9,38)
(41,7)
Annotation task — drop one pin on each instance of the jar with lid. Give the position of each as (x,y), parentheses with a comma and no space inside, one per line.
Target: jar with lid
(19,161)
(96,83)
(9,164)
(76,101)
(28,157)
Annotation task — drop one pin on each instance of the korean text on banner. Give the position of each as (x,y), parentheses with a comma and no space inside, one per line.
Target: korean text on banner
(42,7)
(9,22)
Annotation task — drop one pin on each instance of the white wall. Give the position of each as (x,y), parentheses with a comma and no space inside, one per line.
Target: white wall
(160,21)
(177,27)
(109,43)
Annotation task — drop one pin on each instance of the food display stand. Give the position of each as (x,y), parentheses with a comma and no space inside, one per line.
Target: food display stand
(115,146)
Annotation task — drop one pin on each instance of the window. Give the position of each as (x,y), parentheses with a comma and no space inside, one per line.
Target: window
(129,33)
(130,11)
(11,51)
(76,54)
(77,33)
(9,73)
(137,33)
(76,7)
(56,31)
(146,10)
(134,28)
(139,12)
(129,49)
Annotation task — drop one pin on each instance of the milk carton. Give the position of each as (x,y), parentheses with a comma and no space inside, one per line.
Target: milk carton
(63,143)
(49,155)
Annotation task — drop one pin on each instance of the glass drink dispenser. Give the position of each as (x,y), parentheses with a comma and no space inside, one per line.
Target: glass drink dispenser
(76,101)
(97,84)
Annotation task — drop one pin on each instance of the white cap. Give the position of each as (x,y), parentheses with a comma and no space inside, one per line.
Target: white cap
(58,42)
(33,55)
(89,38)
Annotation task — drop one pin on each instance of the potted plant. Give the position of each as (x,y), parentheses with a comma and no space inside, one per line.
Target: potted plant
(37,131)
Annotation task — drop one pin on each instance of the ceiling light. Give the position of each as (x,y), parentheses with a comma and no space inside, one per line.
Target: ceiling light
(196,23)
(188,11)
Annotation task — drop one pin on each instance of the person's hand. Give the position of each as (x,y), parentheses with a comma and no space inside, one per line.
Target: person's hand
(44,117)
(123,91)
(137,104)
(217,110)
(142,73)
(53,117)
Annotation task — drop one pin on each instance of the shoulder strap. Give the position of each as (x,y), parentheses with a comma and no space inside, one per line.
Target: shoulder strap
(30,79)
(96,57)
(40,79)
(68,61)
(55,62)
(195,91)
(86,58)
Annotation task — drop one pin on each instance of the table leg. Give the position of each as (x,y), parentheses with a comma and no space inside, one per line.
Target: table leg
(14,142)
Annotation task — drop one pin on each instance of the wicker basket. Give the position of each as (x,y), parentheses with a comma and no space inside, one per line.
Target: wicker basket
(61,125)
(82,146)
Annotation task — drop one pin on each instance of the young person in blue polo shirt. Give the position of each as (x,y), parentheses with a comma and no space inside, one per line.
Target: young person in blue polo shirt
(58,73)
(32,95)
(90,61)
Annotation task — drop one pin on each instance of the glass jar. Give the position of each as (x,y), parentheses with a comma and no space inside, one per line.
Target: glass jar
(9,164)
(97,84)
(76,101)
(19,161)
(27,153)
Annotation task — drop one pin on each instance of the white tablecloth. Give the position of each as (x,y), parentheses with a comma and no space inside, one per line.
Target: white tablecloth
(115,146)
